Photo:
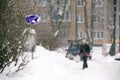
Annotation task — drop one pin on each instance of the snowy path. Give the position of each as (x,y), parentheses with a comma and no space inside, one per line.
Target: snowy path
(53,66)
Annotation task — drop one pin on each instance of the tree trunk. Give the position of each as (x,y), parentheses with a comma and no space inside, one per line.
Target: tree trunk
(112,49)
(86,20)
(92,23)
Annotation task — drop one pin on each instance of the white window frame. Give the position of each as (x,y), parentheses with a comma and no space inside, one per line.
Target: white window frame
(41,4)
(65,19)
(97,5)
(81,3)
(96,18)
(98,35)
(80,18)
(80,34)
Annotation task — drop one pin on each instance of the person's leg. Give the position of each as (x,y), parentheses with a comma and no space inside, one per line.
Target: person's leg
(84,62)
(86,65)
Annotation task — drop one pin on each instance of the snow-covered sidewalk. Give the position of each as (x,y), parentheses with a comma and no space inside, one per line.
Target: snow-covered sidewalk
(51,65)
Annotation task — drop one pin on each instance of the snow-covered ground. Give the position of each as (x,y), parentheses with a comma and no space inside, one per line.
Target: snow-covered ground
(52,65)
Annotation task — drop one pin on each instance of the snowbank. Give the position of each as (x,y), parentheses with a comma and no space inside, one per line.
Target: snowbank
(51,65)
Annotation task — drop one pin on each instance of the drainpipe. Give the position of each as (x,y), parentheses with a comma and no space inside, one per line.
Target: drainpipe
(76,26)
(105,19)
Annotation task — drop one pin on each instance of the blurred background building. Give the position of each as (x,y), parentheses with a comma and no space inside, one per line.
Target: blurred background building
(71,25)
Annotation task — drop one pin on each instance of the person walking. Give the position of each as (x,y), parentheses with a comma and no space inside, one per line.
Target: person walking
(84,50)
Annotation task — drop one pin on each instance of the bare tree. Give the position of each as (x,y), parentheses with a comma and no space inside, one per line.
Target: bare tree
(86,20)
(89,29)
(112,49)
(56,11)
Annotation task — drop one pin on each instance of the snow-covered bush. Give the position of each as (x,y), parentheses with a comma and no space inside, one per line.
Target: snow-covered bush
(47,40)
(12,36)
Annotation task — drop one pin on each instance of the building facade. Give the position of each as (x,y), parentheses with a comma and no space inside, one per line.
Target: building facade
(72,23)
(117,17)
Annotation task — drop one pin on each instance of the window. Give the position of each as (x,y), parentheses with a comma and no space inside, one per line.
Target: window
(68,2)
(80,35)
(80,2)
(66,15)
(44,17)
(99,3)
(42,2)
(62,33)
(97,18)
(27,0)
(61,2)
(119,9)
(79,18)
(119,19)
(94,34)
(102,35)
(98,34)
(54,15)
(58,12)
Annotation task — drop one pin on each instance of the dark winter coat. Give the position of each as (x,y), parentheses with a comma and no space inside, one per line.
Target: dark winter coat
(85,48)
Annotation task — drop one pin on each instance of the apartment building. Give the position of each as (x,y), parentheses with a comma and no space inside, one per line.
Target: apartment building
(72,25)
(117,13)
